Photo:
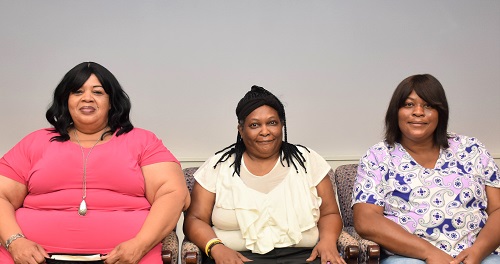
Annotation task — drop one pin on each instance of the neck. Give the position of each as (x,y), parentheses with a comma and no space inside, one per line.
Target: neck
(425,154)
(257,158)
(87,134)
(419,147)
(260,165)
(88,139)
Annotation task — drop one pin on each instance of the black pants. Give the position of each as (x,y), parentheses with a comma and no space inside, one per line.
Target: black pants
(290,255)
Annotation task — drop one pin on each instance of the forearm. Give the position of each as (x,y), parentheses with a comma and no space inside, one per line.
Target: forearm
(198,231)
(162,219)
(489,237)
(394,238)
(330,227)
(8,223)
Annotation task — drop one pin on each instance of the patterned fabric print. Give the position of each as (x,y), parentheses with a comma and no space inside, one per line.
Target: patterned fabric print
(171,243)
(187,246)
(344,178)
(445,205)
(347,246)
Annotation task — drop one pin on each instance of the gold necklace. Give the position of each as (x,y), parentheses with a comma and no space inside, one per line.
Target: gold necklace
(82,210)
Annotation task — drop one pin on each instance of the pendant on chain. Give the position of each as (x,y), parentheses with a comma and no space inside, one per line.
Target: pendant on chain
(82,210)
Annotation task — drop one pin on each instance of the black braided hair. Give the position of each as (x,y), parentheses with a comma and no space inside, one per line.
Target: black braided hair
(252,100)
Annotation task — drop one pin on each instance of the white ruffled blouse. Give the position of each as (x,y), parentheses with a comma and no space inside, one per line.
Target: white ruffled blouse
(248,219)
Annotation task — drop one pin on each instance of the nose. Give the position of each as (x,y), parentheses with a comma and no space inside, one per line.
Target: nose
(264,131)
(87,96)
(418,110)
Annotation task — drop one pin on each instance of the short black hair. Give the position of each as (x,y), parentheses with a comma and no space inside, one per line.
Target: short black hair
(58,113)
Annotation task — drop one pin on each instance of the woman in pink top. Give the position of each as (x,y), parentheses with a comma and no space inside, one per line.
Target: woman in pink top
(91,184)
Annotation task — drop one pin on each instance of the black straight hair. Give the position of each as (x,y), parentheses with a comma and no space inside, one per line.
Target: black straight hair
(431,91)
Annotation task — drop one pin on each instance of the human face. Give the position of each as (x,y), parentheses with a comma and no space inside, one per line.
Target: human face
(417,121)
(262,133)
(89,106)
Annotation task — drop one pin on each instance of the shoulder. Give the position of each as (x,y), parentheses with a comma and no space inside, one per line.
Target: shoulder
(43,132)
(140,132)
(208,174)
(315,163)
(39,136)
(210,162)
(140,140)
(139,135)
(380,152)
(381,147)
(34,143)
(308,153)
(457,141)
(208,167)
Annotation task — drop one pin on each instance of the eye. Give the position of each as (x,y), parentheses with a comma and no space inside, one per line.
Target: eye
(273,123)
(98,92)
(79,91)
(408,104)
(428,106)
(253,125)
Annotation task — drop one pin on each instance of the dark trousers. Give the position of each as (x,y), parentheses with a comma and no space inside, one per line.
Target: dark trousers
(290,255)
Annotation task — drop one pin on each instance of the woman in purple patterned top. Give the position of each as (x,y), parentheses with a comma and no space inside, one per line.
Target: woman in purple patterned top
(434,195)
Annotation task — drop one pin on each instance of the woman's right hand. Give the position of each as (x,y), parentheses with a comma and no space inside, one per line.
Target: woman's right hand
(225,255)
(26,251)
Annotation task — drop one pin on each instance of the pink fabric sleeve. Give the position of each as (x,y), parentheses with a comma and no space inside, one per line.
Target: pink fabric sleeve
(17,162)
(154,151)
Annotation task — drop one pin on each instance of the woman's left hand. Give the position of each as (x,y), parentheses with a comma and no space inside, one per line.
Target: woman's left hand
(327,253)
(128,252)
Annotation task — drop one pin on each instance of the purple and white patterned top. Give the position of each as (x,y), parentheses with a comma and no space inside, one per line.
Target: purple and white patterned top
(445,205)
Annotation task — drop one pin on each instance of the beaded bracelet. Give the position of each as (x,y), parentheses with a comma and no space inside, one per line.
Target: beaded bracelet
(210,244)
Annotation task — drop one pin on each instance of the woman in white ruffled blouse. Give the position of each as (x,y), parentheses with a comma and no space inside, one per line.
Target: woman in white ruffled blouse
(263,199)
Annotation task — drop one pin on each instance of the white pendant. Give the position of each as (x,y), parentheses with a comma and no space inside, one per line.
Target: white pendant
(83,208)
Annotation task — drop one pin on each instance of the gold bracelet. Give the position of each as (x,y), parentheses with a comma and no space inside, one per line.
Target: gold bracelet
(212,242)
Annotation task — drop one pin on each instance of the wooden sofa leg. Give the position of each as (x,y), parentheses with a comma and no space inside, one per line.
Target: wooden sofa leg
(166,256)
(351,254)
(191,258)
(373,252)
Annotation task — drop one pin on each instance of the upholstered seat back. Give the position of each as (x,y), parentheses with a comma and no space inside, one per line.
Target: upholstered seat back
(344,179)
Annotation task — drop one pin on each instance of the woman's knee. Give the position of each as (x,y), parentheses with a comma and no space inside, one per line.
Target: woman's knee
(491,259)
(396,259)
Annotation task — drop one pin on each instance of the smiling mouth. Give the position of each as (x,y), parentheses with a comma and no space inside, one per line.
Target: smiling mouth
(87,109)
(417,123)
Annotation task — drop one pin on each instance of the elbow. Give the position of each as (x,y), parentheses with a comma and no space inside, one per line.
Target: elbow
(341,222)
(187,202)
(361,228)
(364,225)
(185,227)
